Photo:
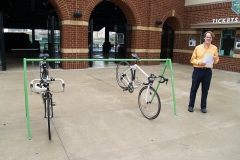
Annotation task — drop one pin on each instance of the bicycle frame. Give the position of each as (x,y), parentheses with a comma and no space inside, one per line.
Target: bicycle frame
(133,69)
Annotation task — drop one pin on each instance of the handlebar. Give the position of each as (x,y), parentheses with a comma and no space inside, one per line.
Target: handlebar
(163,79)
(152,77)
(43,83)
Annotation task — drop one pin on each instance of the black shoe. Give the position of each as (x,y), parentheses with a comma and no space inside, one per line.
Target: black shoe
(204,110)
(190,109)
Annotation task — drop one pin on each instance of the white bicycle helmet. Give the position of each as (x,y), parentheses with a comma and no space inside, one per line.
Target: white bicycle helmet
(39,88)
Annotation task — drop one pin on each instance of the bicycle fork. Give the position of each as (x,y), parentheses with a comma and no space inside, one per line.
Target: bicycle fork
(45,97)
(151,96)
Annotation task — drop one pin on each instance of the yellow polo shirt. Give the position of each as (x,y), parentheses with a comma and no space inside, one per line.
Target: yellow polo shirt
(199,53)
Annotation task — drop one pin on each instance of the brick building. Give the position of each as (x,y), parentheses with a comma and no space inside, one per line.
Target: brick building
(182,24)
(182,27)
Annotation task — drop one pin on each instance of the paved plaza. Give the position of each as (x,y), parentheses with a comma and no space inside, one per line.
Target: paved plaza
(95,120)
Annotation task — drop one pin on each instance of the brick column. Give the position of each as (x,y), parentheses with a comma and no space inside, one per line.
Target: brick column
(74,40)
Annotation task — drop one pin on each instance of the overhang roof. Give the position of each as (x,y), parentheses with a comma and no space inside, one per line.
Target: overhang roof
(216,25)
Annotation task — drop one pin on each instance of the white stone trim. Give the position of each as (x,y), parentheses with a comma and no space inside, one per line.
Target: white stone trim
(76,23)
(236,55)
(147,28)
(144,50)
(74,50)
(183,51)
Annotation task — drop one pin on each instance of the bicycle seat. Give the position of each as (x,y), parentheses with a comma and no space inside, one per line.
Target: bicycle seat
(134,55)
(42,55)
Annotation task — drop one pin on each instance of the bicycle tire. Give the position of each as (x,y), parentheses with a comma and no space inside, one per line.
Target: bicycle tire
(152,108)
(49,117)
(41,70)
(51,106)
(123,78)
(44,70)
(44,74)
(45,104)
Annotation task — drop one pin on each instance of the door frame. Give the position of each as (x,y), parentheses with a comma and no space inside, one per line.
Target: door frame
(3,66)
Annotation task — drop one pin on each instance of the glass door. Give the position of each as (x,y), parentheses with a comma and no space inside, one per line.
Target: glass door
(90,42)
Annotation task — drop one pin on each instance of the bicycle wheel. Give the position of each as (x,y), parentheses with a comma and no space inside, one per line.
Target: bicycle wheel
(149,102)
(44,74)
(45,104)
(123,74)
(51,104)
(49,117)
(41,69)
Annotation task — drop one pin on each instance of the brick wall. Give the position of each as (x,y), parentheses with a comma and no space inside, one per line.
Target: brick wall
(74,37)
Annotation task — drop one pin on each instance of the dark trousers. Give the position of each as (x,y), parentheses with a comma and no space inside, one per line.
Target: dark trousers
(204,77)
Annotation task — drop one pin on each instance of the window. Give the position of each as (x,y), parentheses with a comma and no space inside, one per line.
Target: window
(227,41)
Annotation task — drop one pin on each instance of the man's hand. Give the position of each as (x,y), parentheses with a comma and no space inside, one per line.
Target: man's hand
(201,64)
(214,58)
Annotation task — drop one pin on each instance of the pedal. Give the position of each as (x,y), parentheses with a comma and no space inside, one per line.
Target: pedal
(54,104)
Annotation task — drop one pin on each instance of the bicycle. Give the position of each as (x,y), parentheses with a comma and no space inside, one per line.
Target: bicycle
(43,88)
(148,99)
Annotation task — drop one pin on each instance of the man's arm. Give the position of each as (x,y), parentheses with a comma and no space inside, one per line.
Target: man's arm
(216,57)
(193,59)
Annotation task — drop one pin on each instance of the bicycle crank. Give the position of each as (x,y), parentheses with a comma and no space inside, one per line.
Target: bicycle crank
(130,88)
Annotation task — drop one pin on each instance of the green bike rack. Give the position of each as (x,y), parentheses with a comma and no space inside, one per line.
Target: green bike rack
(168,63)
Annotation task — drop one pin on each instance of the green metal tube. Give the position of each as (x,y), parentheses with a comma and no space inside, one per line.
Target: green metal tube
(173,88)
(159,81)
(168,63)
(87,60)
(26,98)
(164,69)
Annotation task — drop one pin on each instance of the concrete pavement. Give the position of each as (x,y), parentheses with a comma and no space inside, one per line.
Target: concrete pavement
(95,120)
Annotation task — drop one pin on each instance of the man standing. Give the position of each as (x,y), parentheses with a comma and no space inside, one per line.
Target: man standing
(202,73)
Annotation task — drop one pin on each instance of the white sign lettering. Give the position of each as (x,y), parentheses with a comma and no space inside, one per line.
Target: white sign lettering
(225,20)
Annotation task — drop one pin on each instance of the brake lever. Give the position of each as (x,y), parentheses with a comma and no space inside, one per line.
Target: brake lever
(166,81)
(31,86)
(63,86)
